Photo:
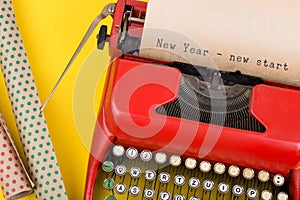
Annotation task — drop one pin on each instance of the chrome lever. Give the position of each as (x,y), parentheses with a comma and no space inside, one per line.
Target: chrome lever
(109,9)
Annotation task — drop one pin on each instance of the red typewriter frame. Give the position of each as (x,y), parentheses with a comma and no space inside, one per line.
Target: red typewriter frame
(135,87)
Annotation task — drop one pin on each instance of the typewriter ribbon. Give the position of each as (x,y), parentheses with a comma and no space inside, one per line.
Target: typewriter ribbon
(34,134)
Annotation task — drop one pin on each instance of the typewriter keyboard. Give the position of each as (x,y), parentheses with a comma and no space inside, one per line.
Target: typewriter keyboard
(129,174)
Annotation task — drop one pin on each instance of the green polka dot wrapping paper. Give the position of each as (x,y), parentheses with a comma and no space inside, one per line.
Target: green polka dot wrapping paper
(14,180)
(25,102)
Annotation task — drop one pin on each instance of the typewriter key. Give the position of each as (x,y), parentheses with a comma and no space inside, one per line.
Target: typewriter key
(132,153)
(278,180)
(179,197)
(266,195)
(194,198)
(208,185)
(248,173)
(120,170)
(135,172)
(118,150)
(263,176)
(175,161)
(238,190)
(134,190)
(164,196)
(108,183)
(108,166)
(219,168)
(223,188)
(179,180)
(111,197)
(234,171)
(194,183)
(282,196)
(149,193)
(190,163)
(120,188)
(146,155)
(205,166)
(150,175)
(160,158)
(164,177)
(252,193)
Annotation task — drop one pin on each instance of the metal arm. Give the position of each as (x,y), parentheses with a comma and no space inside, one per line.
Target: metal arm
(109,9)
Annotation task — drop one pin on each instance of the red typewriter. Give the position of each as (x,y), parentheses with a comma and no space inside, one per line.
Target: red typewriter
(170,130)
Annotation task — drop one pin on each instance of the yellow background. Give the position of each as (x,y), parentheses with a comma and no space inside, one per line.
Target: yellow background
(51,31)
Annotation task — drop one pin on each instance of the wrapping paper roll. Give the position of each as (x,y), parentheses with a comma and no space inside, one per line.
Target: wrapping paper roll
(14,180)
(39,152)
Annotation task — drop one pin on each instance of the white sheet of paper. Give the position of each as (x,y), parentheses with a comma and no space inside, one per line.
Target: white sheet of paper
(259,38)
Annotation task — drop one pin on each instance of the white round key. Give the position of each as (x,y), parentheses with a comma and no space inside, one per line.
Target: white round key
(164,177)
(205,166)
(150,175)
(266,195)
(223,188)
(234,171)
(282,196)
(120,170)
(194,183)
(248,173)
(160,158)
(190,163)
(252,193)
(135,172)
(194,198)
(132,153)
(120,188)
(179,180)
(219,168)
(208,185)
(164,195)
(237,190)
(263,176)
(278,180)
(134,190)
(179,197)
(146,155)
(118,151)
(149,193)
(175,161)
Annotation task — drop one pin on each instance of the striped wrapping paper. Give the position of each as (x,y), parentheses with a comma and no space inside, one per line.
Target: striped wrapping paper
(14,180)
(37,145)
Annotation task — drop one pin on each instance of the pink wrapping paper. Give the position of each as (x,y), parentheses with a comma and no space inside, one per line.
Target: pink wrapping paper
(14,180)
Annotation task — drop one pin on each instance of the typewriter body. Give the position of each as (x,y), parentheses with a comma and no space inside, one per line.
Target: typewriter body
(165,132)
